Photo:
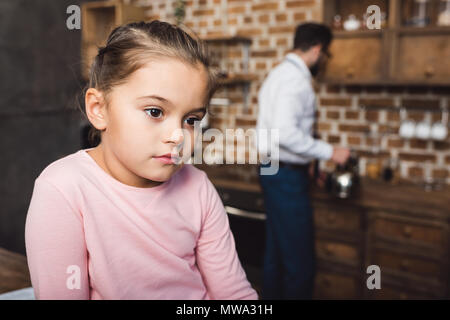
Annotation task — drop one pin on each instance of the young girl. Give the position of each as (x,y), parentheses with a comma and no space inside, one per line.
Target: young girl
(126,220)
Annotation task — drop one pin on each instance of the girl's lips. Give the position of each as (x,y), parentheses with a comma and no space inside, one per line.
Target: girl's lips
(166,160)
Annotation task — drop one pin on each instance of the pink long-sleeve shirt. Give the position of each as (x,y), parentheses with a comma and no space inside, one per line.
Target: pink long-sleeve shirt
(89,236)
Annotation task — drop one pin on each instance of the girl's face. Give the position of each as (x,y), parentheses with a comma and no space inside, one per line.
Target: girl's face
(145,116)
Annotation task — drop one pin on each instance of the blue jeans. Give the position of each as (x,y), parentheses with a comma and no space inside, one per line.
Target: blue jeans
(289,260)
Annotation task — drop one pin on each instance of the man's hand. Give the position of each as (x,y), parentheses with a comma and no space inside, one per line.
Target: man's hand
(340,155)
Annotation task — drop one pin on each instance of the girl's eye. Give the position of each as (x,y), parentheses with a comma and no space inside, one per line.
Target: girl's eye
(154,112)
(191,121)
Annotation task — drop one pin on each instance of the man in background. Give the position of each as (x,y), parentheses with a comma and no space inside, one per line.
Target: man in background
(287,102)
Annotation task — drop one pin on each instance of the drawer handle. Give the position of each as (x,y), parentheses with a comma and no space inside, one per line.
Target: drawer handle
(328,250)
(331,218)
(407,231)
(404,265)
(350,72)
(326,283)
(429,71)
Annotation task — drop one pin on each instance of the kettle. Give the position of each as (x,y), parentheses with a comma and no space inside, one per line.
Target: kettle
(344,181)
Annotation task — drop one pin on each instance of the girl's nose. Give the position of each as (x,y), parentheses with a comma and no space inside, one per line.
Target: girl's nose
(175,135)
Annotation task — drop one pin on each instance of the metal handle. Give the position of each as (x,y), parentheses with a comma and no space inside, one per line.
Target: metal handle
(350,72)
(429,71)
(244,213)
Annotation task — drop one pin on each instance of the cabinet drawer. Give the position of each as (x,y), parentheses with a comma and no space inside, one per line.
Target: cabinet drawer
(429,234)
(345,253)
(391,293)
(401,263)
(337,218)
(329,285)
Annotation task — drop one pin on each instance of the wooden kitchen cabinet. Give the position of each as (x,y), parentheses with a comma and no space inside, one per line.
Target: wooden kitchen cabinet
(363,58)
(395,54)
(336,284)
(422,56)
(339,248)
(400,228)
(413,253)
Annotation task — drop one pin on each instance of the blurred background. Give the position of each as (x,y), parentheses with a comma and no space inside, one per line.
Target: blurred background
(384,92)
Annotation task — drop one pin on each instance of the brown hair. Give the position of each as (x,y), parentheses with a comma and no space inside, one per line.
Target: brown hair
(130,46)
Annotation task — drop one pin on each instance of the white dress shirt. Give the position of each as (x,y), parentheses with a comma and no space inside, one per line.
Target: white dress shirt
(287,102)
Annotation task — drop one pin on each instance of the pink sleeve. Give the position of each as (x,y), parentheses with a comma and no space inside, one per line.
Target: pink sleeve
(55,245)
(217,258)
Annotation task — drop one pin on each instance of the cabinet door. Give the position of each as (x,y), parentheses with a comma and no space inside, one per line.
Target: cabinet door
(334,285)
(337,217)
(335,251)
(425,236)
(423,57)
(356,58)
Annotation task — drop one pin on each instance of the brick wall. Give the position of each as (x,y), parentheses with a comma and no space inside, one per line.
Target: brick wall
(341,119)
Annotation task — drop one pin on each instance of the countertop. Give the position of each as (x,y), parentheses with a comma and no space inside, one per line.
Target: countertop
(404,196)
(14,272)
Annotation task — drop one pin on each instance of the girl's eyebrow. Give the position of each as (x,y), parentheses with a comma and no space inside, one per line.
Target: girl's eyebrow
(155,97)
(202,109)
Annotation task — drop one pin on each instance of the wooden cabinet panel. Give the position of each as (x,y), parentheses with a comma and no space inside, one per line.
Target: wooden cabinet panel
(393,293)
(356,58)
(330,285)
(397,54)
(337,218)
(423,58)
(416,232)
(402,263)
(337,251)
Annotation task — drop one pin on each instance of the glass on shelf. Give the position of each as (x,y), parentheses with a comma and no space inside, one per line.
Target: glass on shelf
(391,172)
(434,178)
(373,166)
(443,19)
(428,180)
(419,15)
(337,22)
(383,20)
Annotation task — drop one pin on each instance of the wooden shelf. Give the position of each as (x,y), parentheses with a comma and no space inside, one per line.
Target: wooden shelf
(358,33)
(395,55)
(386,82)
(226,39)
(237,79)
(422,31)
(99,19)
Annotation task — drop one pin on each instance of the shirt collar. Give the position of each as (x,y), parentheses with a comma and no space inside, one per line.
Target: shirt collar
(295,58)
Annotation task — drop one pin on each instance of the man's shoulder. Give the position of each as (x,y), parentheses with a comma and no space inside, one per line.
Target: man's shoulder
(286,73)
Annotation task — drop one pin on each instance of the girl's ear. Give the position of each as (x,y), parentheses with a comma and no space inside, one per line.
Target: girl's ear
(96,108)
